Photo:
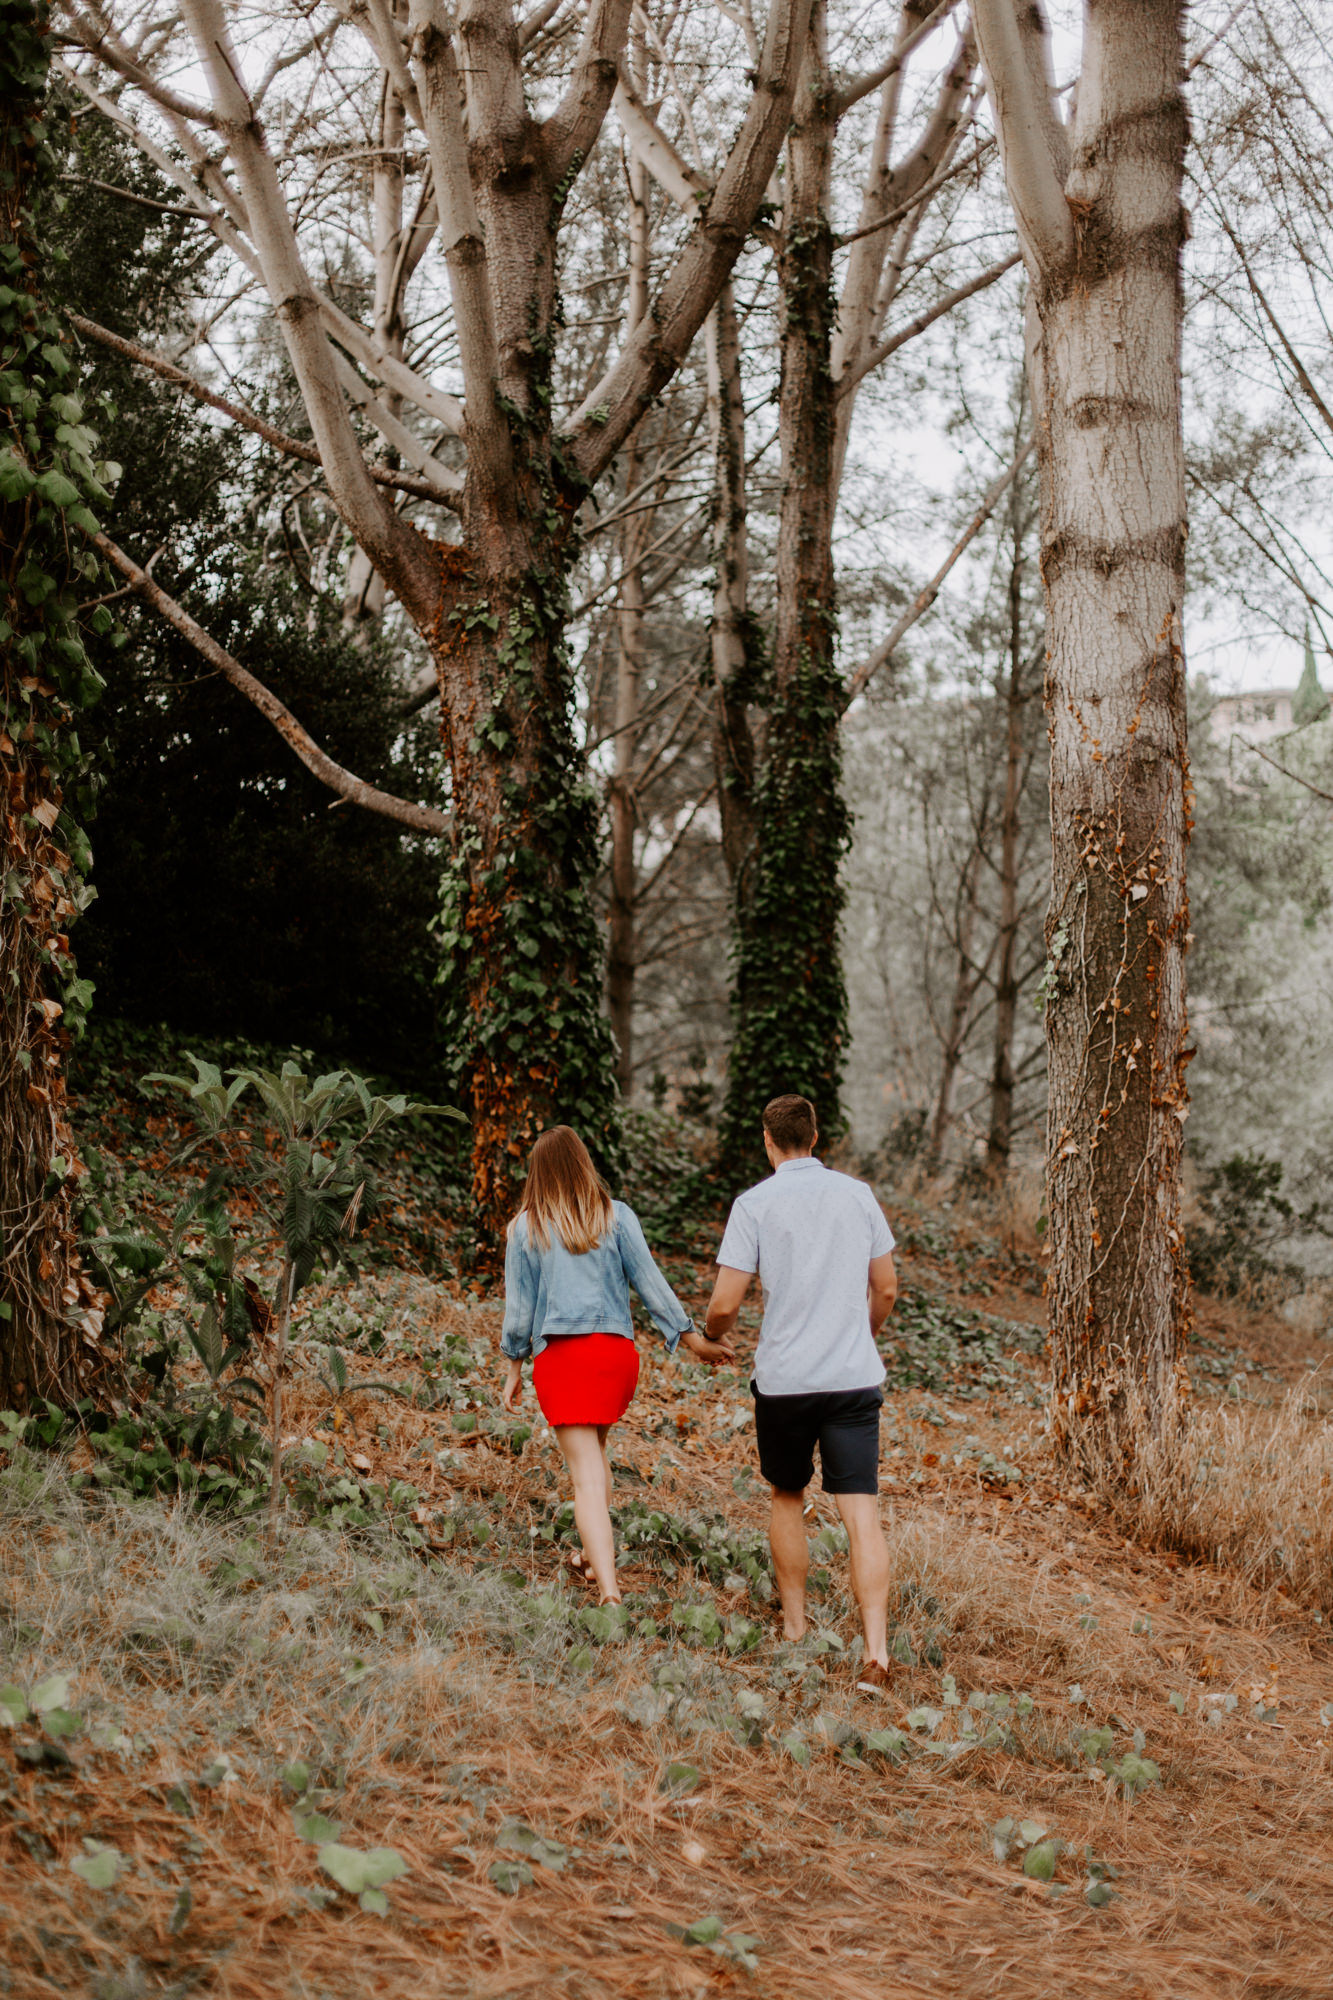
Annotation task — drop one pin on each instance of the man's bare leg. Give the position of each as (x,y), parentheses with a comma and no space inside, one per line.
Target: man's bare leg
(791,1558)
(870,1569)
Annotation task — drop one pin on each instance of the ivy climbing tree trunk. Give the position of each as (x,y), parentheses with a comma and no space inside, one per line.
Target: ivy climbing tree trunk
(1100,221)
(50,1319)
(789,1000)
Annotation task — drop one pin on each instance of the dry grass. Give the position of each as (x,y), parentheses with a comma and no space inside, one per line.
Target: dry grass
(434,1701)
(1248,1489)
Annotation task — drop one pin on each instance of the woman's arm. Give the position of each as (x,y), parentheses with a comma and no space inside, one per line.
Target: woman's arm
(664,1308)
(520,1298)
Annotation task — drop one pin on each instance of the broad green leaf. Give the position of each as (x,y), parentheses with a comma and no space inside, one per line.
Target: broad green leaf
(296,1776)
(928,1719)
(1030,1831)
(16,480)
(1098,1894)
(1039,1861)
(60,491)
(679,1779)
(53,1692)
(99,1867)
(314,1827)
(356,1871)
(516,1838)
(374,1902)
(62,1722)
(13,1707)
(797,1749)
(704,1931)
(510,1876)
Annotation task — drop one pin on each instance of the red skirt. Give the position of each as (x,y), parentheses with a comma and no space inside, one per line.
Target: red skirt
(586,1378)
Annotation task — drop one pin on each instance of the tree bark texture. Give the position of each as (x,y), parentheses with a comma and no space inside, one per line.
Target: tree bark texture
(50,1318)
(1098,205)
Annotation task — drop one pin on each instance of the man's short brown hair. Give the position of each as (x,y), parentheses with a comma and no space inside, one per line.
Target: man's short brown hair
(790,1123)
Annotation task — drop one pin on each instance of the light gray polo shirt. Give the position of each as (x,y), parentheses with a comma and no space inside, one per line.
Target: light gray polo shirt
(810,1234)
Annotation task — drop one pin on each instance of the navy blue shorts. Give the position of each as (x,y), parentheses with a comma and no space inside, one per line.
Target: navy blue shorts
(844,1423)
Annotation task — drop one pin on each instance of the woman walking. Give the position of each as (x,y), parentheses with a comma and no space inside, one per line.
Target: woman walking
(572,1255)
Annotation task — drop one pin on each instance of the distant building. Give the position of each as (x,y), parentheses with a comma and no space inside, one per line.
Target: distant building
(1271,711)
(1268,712)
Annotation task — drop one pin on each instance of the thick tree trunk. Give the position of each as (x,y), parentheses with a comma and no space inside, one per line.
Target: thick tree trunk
(528,955)
(1100,218)
(789,998)
(50,1321)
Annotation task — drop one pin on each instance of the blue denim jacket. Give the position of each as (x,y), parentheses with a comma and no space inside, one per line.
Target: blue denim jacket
(553,1292)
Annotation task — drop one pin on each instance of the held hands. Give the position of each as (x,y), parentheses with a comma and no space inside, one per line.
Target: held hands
(714,1352)
(512,1394)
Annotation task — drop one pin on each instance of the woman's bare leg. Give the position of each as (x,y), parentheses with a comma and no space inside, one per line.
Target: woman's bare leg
(584,1455)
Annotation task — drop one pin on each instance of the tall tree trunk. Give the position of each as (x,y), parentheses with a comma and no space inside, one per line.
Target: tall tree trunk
(966,981)
(790,1000)
(1000,1136)
(50,1321)
(1100,219)
(736,647)
(635,536)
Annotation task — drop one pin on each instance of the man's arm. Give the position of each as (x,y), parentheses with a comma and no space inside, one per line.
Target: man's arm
(723,1311)
(882,1293)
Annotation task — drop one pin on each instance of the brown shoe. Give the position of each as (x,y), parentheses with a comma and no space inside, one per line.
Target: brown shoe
(875,1679)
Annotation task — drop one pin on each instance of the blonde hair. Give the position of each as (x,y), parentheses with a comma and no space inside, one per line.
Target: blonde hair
(565,1193)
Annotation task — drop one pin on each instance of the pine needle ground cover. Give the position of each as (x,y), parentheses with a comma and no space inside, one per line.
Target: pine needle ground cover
(392,1749)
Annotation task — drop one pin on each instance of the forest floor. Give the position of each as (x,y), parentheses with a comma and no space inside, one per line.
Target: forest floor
(220,1737)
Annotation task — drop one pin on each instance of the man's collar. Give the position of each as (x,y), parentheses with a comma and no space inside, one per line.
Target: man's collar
(801,1160)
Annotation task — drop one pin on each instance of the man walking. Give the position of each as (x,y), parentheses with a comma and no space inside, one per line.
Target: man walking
(824,1254)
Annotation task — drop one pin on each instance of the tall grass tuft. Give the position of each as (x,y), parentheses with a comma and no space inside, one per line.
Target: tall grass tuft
(1247,1489)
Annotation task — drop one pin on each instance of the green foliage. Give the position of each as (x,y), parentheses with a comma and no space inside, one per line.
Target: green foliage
(52,477)
(231,900)
(931,1344)
(300,1164)
(1248,1219)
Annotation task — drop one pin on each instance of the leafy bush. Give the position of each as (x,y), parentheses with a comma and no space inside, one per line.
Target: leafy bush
(1248,1218)
(300,1167)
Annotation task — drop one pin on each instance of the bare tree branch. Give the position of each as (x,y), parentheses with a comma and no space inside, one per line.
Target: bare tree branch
(422,819)
(662,338)
(396,549)
(443,488)
(570,132)
(1033,143)
(874,79)
(923,601)
(944,305)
